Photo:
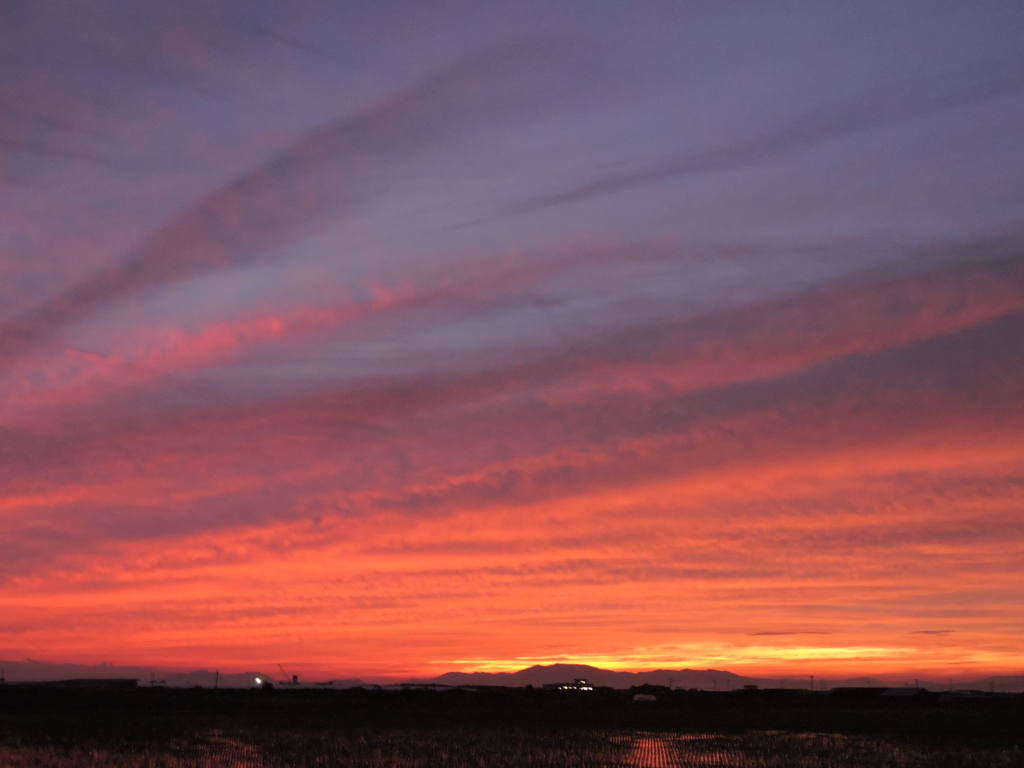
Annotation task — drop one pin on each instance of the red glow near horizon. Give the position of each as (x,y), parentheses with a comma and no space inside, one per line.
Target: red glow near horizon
(478,358)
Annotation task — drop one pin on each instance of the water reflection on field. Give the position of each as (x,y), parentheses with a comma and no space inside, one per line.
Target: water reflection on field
(776,749)
(512,748)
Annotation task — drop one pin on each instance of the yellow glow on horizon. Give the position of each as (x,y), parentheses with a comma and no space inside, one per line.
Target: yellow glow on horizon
(763,659)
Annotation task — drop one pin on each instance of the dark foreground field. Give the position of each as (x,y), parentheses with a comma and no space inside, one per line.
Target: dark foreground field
(375,729)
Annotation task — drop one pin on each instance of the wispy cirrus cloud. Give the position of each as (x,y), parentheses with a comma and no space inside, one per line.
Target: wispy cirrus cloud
(895,103)
(318,178)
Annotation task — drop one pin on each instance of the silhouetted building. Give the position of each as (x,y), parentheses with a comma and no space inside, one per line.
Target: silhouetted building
(579,684)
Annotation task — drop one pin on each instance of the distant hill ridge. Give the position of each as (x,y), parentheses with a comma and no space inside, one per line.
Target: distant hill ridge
(537,675)
(544,674)
(701,679)
(704,679)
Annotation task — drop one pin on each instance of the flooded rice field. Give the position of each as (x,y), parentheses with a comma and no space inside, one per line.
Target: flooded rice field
(773,749)
(500,748)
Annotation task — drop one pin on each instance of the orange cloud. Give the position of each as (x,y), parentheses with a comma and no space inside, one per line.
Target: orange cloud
(819,521)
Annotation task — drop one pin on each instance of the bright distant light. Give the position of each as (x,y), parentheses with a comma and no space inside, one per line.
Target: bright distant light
(258,681)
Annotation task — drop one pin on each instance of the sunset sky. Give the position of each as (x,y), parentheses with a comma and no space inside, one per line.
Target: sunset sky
(394,338)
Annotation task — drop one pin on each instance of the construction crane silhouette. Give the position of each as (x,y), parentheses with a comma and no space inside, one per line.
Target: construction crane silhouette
(295,678)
